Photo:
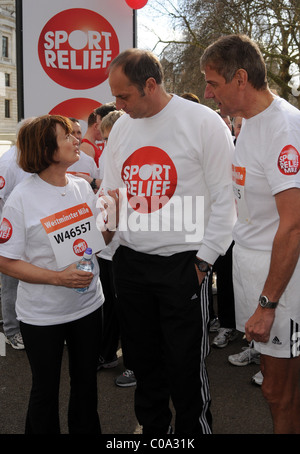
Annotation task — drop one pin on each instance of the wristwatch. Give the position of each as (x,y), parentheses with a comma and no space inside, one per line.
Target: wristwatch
(265,303)
(202,266)
(93,184)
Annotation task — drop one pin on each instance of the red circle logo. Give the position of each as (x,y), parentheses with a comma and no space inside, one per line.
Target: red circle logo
(5,230)
(151,179)
(76,47)
(2,182)
(79,108)
(289,160)
(79,246)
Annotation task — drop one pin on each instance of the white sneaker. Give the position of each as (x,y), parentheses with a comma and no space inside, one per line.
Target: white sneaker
(214,325)
(257,379)
(15,341)
(247,356)
(225,336)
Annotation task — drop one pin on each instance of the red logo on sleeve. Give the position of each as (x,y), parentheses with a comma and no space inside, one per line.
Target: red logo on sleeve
(151,179)
(289,161)
(2,182)
(5,230)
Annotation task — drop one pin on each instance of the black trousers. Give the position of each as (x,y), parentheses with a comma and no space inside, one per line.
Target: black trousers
(164,316)
(225,295)
(44,347)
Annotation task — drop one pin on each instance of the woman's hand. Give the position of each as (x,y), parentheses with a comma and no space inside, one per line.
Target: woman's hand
(73,278)
(70,277)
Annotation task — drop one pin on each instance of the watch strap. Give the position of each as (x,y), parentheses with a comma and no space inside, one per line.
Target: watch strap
(265,303)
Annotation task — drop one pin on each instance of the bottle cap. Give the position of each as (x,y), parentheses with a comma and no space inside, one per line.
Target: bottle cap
(88,252)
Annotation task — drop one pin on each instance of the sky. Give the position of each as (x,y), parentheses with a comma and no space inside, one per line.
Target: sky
(146,23)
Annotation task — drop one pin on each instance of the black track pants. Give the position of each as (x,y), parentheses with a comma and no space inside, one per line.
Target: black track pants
(164,316)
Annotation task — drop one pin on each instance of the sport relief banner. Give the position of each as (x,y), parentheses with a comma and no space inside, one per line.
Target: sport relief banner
(67,47)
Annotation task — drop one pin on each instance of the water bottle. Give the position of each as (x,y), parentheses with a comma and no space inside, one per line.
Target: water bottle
(85,264)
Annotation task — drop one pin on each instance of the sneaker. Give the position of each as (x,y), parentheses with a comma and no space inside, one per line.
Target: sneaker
(103,364)
(214,325)
(126,379)
(225,336)
(247,356)
(16,341)
(257,379)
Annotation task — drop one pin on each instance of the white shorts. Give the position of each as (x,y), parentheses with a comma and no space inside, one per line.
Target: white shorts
(250,270)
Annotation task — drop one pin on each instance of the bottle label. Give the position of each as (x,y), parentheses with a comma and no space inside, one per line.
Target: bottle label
(70,232)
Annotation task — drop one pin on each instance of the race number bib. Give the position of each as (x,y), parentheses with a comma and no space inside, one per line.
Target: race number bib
(239,178)
(70,232)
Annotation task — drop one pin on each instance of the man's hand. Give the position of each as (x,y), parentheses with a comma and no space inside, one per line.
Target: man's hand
(200,275)
(108,219)
(258,326)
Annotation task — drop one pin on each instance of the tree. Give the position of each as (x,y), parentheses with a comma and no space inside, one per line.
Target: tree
(274,25)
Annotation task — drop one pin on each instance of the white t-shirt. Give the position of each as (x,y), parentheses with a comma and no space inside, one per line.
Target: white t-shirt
(85,164)
(266,162)
(181,158)
(24,238)
(10,174)
(102,163)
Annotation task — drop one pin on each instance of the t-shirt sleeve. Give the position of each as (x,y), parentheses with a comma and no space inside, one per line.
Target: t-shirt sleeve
(282,162)
(12,233)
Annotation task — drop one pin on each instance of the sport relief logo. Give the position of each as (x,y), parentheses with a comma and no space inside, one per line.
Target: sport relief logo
(76,47)
(151,179)
(289,161)
(2,182)
(5,230)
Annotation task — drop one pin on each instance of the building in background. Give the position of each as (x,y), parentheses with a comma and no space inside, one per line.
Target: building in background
(8,75)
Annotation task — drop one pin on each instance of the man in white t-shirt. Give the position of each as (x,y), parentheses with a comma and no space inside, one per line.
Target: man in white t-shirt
(266,183)
(171,160)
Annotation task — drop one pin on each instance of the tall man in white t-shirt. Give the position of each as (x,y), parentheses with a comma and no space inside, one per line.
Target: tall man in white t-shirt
(266,182)
(171,159)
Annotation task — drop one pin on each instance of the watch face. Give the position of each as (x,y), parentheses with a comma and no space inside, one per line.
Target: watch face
(263,301)
(203,266)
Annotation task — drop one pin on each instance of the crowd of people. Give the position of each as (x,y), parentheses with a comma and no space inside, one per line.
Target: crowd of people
(234,170)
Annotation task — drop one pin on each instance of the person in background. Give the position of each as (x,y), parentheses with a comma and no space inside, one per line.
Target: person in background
(38,218)
(10,175)
(191,97)
(226,119)
(85,167)
(224,323)
(92,143)
(248,355)
(237,126)
(111,328)
(266,183)
(93,133)
(77,132)
(101,112)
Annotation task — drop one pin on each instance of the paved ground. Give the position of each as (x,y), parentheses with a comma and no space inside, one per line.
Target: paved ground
(237,406)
